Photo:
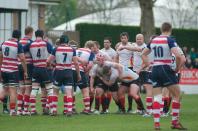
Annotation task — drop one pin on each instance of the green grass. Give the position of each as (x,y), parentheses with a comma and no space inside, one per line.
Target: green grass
(110,122)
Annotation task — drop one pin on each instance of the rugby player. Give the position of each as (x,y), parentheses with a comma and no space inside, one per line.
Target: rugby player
(9,52)
(40,51)
(25,88)
(162,47)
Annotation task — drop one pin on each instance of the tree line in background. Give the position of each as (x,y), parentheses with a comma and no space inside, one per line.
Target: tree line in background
(187,11)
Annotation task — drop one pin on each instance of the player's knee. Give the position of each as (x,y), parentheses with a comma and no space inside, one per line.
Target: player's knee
(49,88)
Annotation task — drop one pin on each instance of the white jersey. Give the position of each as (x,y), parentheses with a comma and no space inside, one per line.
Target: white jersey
(173,66)
(127,75)
(125,56)
(102,53)
(111,52)
(137,60)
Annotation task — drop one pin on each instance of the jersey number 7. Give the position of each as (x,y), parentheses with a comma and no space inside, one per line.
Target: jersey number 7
(65,57)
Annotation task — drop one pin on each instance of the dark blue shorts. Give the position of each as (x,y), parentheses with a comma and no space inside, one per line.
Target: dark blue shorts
(163,76)
(84,80)
(75,84)
(29,71)
(50,73)
(145,77)
(10,78)
(41,75)
(63,77)
(128,84)
(100,84)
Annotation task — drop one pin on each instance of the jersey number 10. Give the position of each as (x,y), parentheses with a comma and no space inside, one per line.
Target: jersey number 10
(158,51)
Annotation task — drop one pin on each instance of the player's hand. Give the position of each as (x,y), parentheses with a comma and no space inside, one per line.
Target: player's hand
(79,77)
(91,89)
(139,49)
(176,70)
(138,71)
(25,75)
(120,48)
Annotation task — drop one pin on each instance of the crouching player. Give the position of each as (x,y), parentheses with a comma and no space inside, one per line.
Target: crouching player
(128,80)
(96,76)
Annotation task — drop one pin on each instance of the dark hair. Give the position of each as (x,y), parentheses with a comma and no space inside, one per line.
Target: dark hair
(64,39)
(124,34)
(108,38)
(166,27)
(16,34)
(106,70)
(28,30)
(39,33)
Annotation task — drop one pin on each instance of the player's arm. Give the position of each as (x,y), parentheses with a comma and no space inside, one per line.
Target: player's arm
(107,82)
(90,63)
(180,60)
(51,57)
(26,48)
(114,56)
(75,60)
(116,59)
(22,58)
(49,48)
(132,48)
(91,87)
(144,56)
(82,61)
(117,66)
(92,75)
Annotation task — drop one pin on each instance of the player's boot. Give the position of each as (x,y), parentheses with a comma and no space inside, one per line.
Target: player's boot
(157,126)
(178,126)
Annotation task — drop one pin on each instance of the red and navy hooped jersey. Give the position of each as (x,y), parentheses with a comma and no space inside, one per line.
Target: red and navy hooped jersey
(86,55)
(63,56)
(24,41)
(40,51)
(10,50)
(160,47)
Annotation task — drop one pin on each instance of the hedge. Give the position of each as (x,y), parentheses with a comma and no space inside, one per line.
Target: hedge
(184,37)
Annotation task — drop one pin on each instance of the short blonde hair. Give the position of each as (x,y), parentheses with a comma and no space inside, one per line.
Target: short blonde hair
(89,44)
(73,44)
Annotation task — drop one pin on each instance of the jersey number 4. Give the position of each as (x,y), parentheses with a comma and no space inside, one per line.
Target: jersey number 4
(38,54)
